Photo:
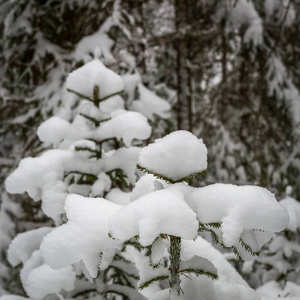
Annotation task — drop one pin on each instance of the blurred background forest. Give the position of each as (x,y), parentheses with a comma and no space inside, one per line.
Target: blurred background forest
(230,71)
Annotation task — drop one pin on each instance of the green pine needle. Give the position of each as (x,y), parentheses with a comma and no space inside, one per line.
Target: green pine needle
(147,283)
(248,248)
(200,272)
(206,227)
(80,95)
(167,179)
(92,100)
(77,148)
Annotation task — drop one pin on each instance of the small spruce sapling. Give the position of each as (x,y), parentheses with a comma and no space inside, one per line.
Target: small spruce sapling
(94,155)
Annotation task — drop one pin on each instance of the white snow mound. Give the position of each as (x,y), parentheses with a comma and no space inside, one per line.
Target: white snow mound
(175,156)
(162,211)
(86,233)
(246,212)
(84,79)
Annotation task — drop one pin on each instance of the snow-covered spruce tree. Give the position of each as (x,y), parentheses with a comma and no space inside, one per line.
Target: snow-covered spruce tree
(94,155)
(165,216)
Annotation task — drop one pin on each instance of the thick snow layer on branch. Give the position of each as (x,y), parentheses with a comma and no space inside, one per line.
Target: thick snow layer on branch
(88,109)
(244,12)
(203,288)
(274,289)
(112,104)
(122,125)
(55,130)
(149,104)
(283,245)
(42,178)
(146,184)
(283,9)
(24,244)
(123,158)
(239,208)
(175,156)
(293,208)
(211,290)
(162,211)
(202,248)
(125,125)
(89,43)
(39,280)
(86,234)
(94,73)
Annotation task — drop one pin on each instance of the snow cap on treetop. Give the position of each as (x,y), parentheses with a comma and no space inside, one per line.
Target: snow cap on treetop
(176,157)
(83,80)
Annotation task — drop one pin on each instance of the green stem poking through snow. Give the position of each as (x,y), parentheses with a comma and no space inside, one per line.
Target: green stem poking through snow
(175,247)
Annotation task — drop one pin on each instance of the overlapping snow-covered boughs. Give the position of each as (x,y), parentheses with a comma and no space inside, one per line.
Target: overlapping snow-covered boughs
(80,143)
(158,210)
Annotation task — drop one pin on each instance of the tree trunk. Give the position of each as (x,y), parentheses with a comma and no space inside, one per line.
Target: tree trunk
(184,101)
(175,248)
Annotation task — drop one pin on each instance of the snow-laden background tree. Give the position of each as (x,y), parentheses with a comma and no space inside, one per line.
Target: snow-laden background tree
(229,70)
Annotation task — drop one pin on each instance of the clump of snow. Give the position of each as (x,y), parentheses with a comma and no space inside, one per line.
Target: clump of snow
(203,288)
(127,126)
(103,183)
(175,156)
(55,130)
(131,81)
(24,244)
(158,250)
(84,79)
(293,208)
(90,110)
(149,104)
(42,178)
(122,158)
(39,280)
(242,212)
(202,248)
(112,104)
(118,196)
(162,211)
(93,41)
(86,232)
(283,245)
(146,272)
(283,10)
(273,289)
(244,12)
(146,184)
